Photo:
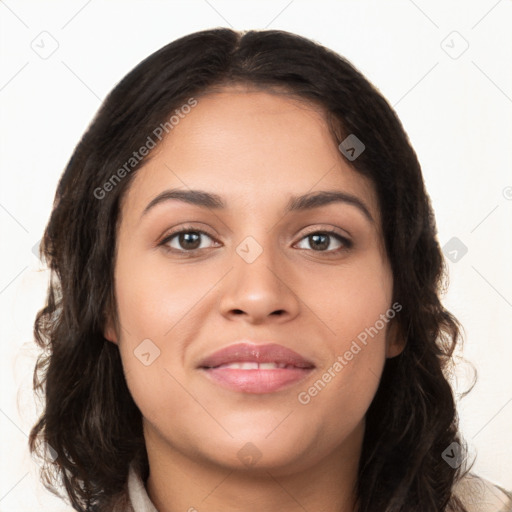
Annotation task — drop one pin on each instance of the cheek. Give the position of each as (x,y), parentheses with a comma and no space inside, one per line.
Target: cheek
(356,306)
(351,298)
(158,311)
(337,401)
(154,297)
(155,389)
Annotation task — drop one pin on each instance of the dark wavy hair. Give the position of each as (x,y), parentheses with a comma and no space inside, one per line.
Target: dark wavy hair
(90,419)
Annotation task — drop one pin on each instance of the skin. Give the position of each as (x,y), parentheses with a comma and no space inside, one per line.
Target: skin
(255,149)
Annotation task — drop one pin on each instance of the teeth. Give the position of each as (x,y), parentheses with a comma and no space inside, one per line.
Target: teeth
(270,366)
(254,366)
(243,366)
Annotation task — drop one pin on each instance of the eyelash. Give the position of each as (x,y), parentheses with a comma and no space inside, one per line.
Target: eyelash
(346,243)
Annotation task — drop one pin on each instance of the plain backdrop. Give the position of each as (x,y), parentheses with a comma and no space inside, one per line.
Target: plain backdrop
(444,66)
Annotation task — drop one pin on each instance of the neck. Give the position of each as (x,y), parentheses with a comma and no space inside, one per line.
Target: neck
(178,482)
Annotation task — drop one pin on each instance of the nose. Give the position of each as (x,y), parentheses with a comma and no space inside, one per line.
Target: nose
(260,290)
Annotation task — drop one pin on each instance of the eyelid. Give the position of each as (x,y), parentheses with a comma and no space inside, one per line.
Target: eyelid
(326,229)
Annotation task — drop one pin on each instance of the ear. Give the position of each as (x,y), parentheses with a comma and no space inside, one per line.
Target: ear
(395,340)
(109,331)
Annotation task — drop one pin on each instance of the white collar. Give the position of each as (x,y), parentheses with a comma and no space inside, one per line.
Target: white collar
(139,498)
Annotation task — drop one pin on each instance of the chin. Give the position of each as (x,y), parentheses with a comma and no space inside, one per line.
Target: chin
(257,452)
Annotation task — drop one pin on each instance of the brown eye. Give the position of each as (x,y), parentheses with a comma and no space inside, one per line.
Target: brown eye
(186,240)
(320,241)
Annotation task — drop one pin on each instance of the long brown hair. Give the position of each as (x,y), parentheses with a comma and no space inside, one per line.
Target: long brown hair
(90,419)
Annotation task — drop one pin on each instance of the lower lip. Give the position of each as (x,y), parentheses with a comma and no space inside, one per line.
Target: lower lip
(257,381)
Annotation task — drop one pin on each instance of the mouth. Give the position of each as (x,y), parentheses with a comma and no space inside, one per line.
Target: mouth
(250,368)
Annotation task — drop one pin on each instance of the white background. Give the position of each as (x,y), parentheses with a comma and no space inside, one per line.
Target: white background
(457,112)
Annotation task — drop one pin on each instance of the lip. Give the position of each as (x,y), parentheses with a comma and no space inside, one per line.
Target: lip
(256,380)
(258,353)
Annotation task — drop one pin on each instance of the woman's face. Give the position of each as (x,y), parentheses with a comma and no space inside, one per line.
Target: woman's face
(262,273)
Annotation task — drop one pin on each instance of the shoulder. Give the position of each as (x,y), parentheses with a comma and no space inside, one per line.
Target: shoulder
(479,495)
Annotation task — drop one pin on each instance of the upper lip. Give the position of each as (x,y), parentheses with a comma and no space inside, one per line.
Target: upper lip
(260,353)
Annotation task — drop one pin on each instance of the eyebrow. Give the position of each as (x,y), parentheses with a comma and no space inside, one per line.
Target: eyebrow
(296,203)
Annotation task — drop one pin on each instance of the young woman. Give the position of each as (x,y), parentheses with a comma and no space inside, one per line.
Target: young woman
(245,308)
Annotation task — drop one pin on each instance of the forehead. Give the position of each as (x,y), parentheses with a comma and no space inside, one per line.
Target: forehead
(249,146)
